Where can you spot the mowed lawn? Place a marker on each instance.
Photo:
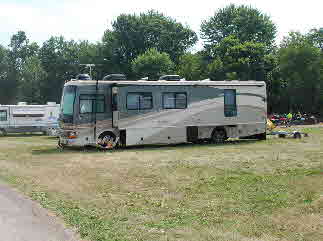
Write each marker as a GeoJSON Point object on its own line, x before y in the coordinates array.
{"type": "Point", "coordinates": [242, 190]}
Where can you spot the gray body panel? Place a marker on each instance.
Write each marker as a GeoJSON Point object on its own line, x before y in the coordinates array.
{"type": "Point", "coordinates": [205, 110]}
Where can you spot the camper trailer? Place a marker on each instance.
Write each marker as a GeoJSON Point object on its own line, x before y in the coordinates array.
{"type": "Point", "coordinates": [23, 118]}
{"type": "Point", "coordinates": [124, 113]}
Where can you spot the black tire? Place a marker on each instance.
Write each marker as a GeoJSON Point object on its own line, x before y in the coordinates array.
{"type": "Point", "coordinates": [281, 135]}
{"type": "Point", "coordinates": [60, 145]}
{"type": "Point", "coordinates": [198, 142]}
{"type": "Point", "coordinates": [219, 136]}
{"type": "Point", "coordinates": [107, 142]}
{"type": "Point", "coordinates": [261, 136]}
{"type": "Point", "coordinates": [297, 135]}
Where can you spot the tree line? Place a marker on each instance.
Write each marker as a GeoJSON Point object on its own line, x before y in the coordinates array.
{"type": "Point", "coordinates": [238, 44]}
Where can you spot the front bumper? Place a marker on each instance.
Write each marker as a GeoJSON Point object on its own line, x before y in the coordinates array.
{"type": "Point", "coordinates": [74, 138]}
{"type": "Point", "coordinates": [67, 142]}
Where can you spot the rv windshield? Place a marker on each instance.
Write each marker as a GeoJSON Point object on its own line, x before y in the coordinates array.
{"type": "Point", "coordinates": [67, 106]}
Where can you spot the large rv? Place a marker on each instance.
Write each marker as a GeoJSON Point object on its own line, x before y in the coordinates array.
{"type": "Point", "coordinates": [112, 113]}
{"type": "Point", "coordinates": [29, 118]}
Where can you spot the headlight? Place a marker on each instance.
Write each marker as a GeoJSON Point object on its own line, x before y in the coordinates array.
{"type": "Point", "coordinates": [72, 135]}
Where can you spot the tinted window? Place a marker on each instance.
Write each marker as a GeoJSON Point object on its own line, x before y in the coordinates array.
{"type": "Point", "coordinates": [174, 100]}
{"type": "Point", "coordinates": [3, 115]}
{"type": "Point", "coordinates": [139, 101]}
{"type": "Point", "coordinates": [28, 115]}
{"type": "Point", "coordinates": [91, 104]}
{"type": "Point", "coordinates": [230, 103]}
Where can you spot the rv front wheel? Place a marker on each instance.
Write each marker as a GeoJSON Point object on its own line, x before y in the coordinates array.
{"type": "Point", "coordinates": [107, 141]}
{"type": "Point", "coordinates": [219, 136]}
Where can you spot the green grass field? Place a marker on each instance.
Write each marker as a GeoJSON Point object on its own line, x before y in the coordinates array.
{"type": "Point", "coordinates": [242, 190]}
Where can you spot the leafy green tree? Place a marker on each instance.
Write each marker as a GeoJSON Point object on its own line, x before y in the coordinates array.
{"type": "Point", "coordinates": [216, 69]}
{"type": "Point", "coordinates": [152, 64]}
{"type": "Point", "coordinates": [30, 85]}
{"type": "Point", "coordinates": [275, 85]}
{"type": "Point", "coordinates": [113, 58]}
{"type": "Point", "coordinates": [19, 50]}
{"type": "Point", "coordinates": [191, 67]}
{"type": "Point", "coordinates": [4, 68]}
{"type": "Point", "coordinates": [132, 35]}
{"type": "Point", "coordinates": [60, 60]}
{"type": "Point", "coordinates": [301, 67]}
{"type": "Point", "coordinates": [52, 56]}
{"type": "Point", "coordinates": [316, 36]}
{"type": "Point", "coordinates": [231, 76]}
{"type": "Point", "coordinates": [245, 59]}
{"type": "Point", "coordinates": [89, 53]}
{"type": "Point", "coordinates": [245, 23]}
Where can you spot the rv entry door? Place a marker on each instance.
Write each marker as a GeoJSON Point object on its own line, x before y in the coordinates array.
{"type": "Point", "coordinates": [114, 107]}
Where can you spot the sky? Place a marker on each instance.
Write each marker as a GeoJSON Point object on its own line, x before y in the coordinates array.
{"type": "Point", "coordinates": [88, 19]}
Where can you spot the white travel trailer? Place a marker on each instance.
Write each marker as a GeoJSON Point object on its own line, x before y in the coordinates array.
{"type": "Point", "coordinates": [29, 118]}
{"type": "Point", "coordinates": [111, 113]}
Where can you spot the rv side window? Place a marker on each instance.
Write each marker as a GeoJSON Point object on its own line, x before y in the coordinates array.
{"type": "Point", "coordinates": [230, 103]}
{"type": "Point", "coordinates": [174, 100]}
{"type": "Point", "coordinates": [28, 115]}
{"type": "Point", "coordinates": [139, 101]}
{"type": "Point", "coordinates": [3, 115]}
{"type": "Point", "coordinates": [87, 104]}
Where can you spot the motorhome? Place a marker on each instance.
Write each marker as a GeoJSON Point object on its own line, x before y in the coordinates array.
{"type": "Point", "coordinates": [123, 113]}
{"type": "Point", "coordinates": [23, 118]}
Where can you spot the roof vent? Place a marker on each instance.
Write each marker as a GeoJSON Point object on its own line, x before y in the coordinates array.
{"type": "Point", "coordinates": [22, 103]}
{"type": "Point", "coordinates": [169, 77]}
{"type": "Point", "coordinates": [114, 77]}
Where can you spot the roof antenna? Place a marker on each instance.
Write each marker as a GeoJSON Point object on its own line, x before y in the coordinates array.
{"type": "Point", "coordinates": [89, 66]}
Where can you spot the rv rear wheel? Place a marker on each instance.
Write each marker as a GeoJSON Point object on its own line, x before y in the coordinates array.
{"type": "Point", "coordinates": [107, 141]}
{"type": "Point", "coordinates": [297, 135]}
{"type": "Point", "coordinates": [261, 136]}
{"type": "Point", "coordinates": [219, 136]}
{"type": "Point", "coordinates": [3, 132]}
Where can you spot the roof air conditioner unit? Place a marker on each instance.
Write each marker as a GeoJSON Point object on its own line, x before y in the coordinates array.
{"type": "Point", "coordinates": [114, 77]}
